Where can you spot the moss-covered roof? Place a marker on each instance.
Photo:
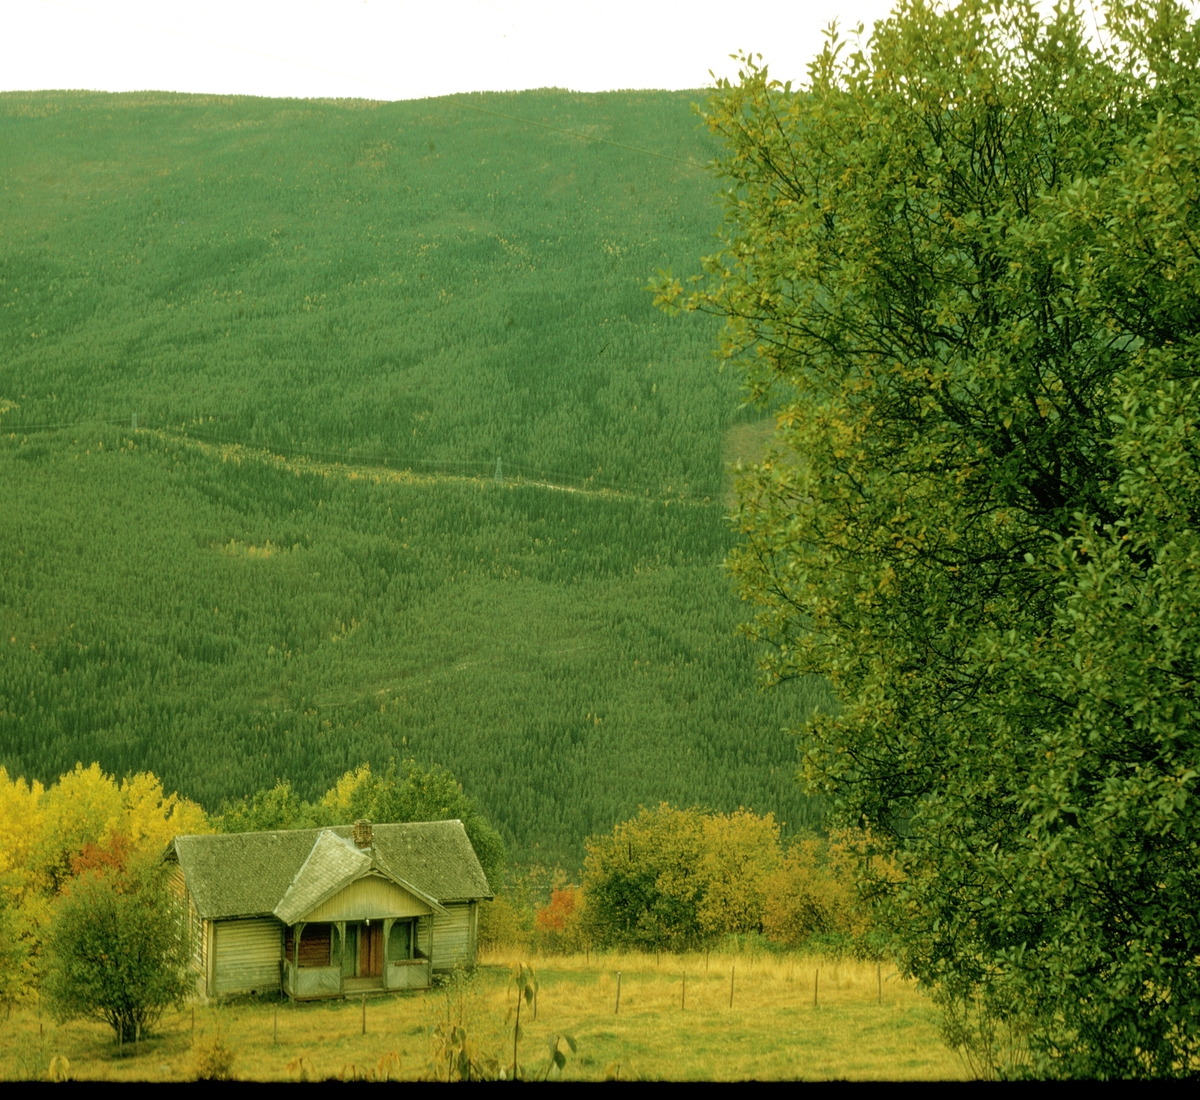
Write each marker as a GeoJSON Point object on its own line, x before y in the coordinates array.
{"type": "Point", "coordinates": [248, 874]}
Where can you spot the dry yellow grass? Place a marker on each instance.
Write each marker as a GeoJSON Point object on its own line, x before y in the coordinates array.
{"type": "Point", "coordinates": [772, 1032]}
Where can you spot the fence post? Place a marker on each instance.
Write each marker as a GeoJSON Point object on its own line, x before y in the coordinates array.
{"type": "Point", "coordinates": [732, 970]}
{"type": "Point", "coordinates": [618, 1006]}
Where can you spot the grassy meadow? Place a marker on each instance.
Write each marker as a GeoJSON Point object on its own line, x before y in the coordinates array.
{"type": "Point", "coordinates": [772, 1032]}
{"type": "Point", "coordinates": [330, 320]}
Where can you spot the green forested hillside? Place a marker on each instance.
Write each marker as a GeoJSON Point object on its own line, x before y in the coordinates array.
{"type": "Point", "coordinates": [378, 287]}
{"type": "Point", "coordinates": [416, 278]}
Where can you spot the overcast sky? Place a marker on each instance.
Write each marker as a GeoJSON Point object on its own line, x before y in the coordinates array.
{"type": "Point", "coordinates": [398, 49]}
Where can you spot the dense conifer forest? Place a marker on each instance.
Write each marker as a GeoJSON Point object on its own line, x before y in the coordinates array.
{"type": "Point", "coordinates": [416, 471]}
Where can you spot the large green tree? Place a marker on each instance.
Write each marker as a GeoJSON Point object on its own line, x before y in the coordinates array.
{"type": "Point", "coordinates": [961, 263]}
{"type": "Point", "coordinates": [120, 949]}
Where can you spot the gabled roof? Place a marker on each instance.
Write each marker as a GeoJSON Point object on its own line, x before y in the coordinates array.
{"type": "Point", "coordinates": [332, 865]}
{"type": "Point", "coordinates": [249, 874]}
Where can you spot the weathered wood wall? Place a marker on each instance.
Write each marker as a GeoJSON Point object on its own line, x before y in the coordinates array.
{"type": "Point", "coordinates": [453, 943]}
{"type": "Point", "coordinates": [369, 898]}
{"type": "Point", "coordinates": [246, 955]}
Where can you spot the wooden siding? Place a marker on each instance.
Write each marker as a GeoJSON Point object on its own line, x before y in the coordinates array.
{"type": "Point", "coordinates": [369, 898]}
{"type": "Point", "coordinates": [246, 956]}
{"type": "Point", "coordinates": [195, 926]}
{"type": "Point", "coordinates": [452, 938]}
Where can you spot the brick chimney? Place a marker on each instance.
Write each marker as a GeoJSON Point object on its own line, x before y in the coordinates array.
{"type": "Point", "coordinates": [362, 833]}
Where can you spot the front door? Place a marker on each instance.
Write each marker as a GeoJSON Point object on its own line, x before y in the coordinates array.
{"type": "Point", "coordinates": [370, 950]}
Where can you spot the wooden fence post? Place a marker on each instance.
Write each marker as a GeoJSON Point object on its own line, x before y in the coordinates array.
{"type": "Point", "coordinates": [732, 969]}
{"type": "Point", "coordinates": [617, 1009]}
{"type": "Point", "coordinates": [816, 982]}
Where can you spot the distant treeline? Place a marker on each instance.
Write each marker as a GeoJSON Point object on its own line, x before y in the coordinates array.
{"type": "Point", "coordinates": [676, 880]}
{"type": "Point", "coordinates": [665, 879]}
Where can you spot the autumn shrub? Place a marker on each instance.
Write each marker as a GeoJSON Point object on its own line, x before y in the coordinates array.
{"type": "Point", "coordinates": [678, 879]}
{"type": "Point", "coordinates": [502, 925]}
{"type": "Point", "coordinates": [741, 853]}
{"type": "Point", "coordinates": [644, 882]}
{"type": "Point", "coordinates": [560, 923]}
{"type": "Point", "coordinates": [812, 898]}
{"type": "Point", "coordinates": [86, 822]}
{"type": "Point", "coordinates": [213, 1060]}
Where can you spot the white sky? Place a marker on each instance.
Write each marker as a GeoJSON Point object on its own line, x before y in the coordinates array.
{"type": "Point", "coordinates": [400, 49]}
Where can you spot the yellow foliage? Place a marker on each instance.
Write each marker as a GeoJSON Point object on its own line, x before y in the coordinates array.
{"type": "Point", "coordinates": [741, 853]}
{"type": "Point", "coordinates": [340, 799]}
{"type": "Point", "coordinates": [83, 807]}
{"type": "Point", "coordinates": [21, 824]}
{"type": "Point", "coordinates": [43, 831]}
{"type": "Point", "coordinates": [213, 1060]}
{"type": "Point", "coordinates": [152, 818]}
{"type": "Point", "coordinates": [813, 893]}
{"type": "Point", "coordinates": [86, 806]}
{"type": "Point", "coordinates": [500, 926]}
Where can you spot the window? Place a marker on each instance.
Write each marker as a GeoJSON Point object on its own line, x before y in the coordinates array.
{"type": "Point", "coordinates": [401, 941]}
{"type": "Point", "coordinates": [315, 945]}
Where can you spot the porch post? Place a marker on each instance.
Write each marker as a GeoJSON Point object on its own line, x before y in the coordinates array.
{"type": "Point", "coordinates": [387, 947]}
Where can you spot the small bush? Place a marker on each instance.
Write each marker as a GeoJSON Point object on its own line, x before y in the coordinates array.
{"type": "Point", "coordinates": [213, 1061]}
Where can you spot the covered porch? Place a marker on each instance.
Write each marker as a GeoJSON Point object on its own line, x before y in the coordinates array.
{"type": "Point", "coordinates": [340, 958]}
{"type": "Point", "coordinates": [352, 927]}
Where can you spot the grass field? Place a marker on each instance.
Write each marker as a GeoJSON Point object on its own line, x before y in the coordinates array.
{"type": "Point", "coordinates": [772, 1032]}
